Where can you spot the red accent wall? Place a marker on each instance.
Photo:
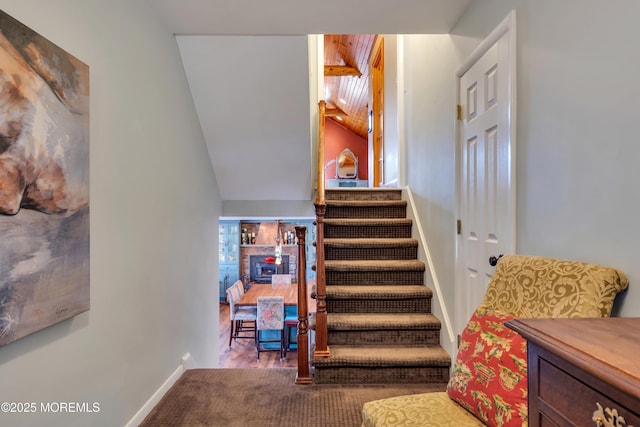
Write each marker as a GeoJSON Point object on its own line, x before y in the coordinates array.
{"type": "Point", "coordinates": [336, 139]}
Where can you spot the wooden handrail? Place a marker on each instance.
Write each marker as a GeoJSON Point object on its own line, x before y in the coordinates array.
{"type": "Point", "coordinates": [303, 376]}
{"type": "Point", "coordinates": [322, 109]}
{"type": "Point", "coordinates": [321, 347]}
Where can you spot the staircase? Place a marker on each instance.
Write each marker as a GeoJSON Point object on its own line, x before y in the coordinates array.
{"type": "Point", "coordinates": [380, 326]}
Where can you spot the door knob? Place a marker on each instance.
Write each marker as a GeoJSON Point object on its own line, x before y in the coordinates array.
{"type": "Point", "coordinates": [493, 260]}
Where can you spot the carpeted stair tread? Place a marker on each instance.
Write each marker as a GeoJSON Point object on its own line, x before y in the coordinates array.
{"type": "Point", "coordinates": [378, 292]}
{"type": "Point", "coordinates": [384, 356]}
{"type": "Point", "coordinates": [371, 243]}
{"type": "Point", "coordinates": [332, 194]}
{"type": "Point", "coordinates": [365, 227]}
{"type": "Point", "coordinates": [366, 209]}
{"type": "Point", "coordinates": [365, 203]}
{"type": "Point", "coordinates": [369, 222]}
{"type": "Point", "coordinates": [372, 248]}
{"type": "Point", "coordinates": [381, 321]}
{"type": "Point", "coordinates": [374, 265]}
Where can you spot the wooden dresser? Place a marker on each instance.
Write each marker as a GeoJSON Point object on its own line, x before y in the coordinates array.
{"type": "Point", "coordinates": [574, 365]}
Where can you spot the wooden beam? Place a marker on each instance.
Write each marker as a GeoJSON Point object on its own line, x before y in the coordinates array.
{"type": "Point", "coordinates": [341, 70]}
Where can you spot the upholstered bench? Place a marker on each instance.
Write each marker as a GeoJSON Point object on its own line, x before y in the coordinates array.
{"type": "Point", "coordinates": [488, 381]}
{"type": "Point", "coordinates": [426, 409]}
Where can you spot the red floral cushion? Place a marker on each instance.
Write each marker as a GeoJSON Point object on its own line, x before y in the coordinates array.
{"type": "Point", "coordinates": [490, 374]}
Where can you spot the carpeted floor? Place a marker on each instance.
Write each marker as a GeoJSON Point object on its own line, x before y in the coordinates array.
{"type": "Point", "coordinates": [266, 397]}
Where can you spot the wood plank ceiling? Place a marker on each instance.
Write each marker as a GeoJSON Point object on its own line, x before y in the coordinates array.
{"type": "Point", "coordinates": [346, 81]}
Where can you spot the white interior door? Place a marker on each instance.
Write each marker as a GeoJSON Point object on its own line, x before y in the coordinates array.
{"type": "Point", "coordinates": [486, 183]}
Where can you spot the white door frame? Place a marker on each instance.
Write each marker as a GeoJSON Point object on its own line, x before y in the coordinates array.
{"type": "Point", "coordinates": [506, 27]}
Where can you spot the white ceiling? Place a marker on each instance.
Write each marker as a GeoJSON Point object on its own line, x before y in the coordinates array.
{"type": "Point", "coordinates": [303, 17]}
{"type": "Point", "coordinates": [258, 140]}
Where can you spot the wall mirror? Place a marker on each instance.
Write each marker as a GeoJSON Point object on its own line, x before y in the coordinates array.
{"type": "Point", "coordinates": [347, 165]}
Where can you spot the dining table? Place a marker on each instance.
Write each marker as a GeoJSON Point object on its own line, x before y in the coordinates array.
{"type": "Point", "coordinates": [290, 294]}
{"type": "Point", "coordinates": [255, 290]}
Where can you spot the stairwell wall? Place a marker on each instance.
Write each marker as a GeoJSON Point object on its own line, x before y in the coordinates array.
{"type": "Point", "coordinates": [577, 152]}
{"type": "Point", "coordinates": [154, 210]}
{"type": "Point", "coordinates": [429, 70]}
{"type": "Point", "coordinates": [576, 169]}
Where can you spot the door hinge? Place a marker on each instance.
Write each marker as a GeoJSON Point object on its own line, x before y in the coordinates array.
{"type": "Point", "coordinates": [459, 112]}
{"type": "Point", "coordinates": [459, 226]}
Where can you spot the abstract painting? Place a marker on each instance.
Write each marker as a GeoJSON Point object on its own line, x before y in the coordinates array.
{"type": "Point", "coordinates": [44, 182]}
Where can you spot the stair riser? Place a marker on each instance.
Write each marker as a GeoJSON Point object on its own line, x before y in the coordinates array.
{"type": "Point", "coordinates": [417, 305]}
{"type": "Point", "coordinates": [363, 195]}
{"type": "Point", "coordinates": [337, 231]}
{"type": "Point", "coordinates": [395, 375]}
{"type": "Point", "coordinates": [398, 337]}
{"type": "Point", "coordinates": [374, 278]}
{"type": "Point", "coordinates": [366, 212]}
{"type": "Point", "coordinates": [349, 254]}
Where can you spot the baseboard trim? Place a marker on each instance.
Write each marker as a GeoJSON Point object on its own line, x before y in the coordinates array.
{"type": "Point", "coordinates": [391, 184]}
{"type": "Point", "coordinates": [157, 395]}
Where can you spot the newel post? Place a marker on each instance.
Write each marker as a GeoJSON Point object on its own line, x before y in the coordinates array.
{"type": "Point", "coordinates": [303, 376]}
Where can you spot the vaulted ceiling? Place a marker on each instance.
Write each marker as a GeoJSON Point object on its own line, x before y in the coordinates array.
{"type": "Point", "coordinates": [246, 64]}
{"type": "Point", "coordinates": [346, 81]}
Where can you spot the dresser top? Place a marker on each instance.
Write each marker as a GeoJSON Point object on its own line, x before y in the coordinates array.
{"type": "Point", "coordinates": [608, 348]}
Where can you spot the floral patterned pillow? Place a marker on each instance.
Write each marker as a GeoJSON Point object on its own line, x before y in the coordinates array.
{"type": "Point", "coordinates": [490, 374]}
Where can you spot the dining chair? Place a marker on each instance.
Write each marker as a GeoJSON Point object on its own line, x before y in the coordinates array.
{"type": "Point", "coordinates": [290, 324]}
{"type": "Point", "coordinates": [239, 315]}
{"type": "Point", "coordinates": [281, 279]}
{"type": "Point", "coordinates": [239, 288]}
{"type": "Point", "coordinates": [270, 313]}
{"type": "Point", "coordinates": [240, 285]}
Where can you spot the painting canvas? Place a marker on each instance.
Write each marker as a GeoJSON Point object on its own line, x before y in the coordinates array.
{"type": "Point", "coordinates": [44, 182]}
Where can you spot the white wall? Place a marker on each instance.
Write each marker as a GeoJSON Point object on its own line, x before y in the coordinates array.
{"type": "Point", "coordinates": [577, 150]}
{"type": "Point", "coordinates": [577, 116]}
{"type": "Point", "coordinates": [252, 95]}
{"type": "Point", "coordinates": [429, 71]}
{"type": "Point", "coordinates": [269, 208]}
{"type": "Point", "coordinates": [154, 210]}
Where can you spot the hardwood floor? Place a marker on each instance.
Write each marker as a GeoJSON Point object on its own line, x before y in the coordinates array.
{"type": "Point", "coordinates": [242, 353]}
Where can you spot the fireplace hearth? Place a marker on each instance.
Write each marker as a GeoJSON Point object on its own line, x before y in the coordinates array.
{"type": "Point", "coordinates": [261, 270]}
